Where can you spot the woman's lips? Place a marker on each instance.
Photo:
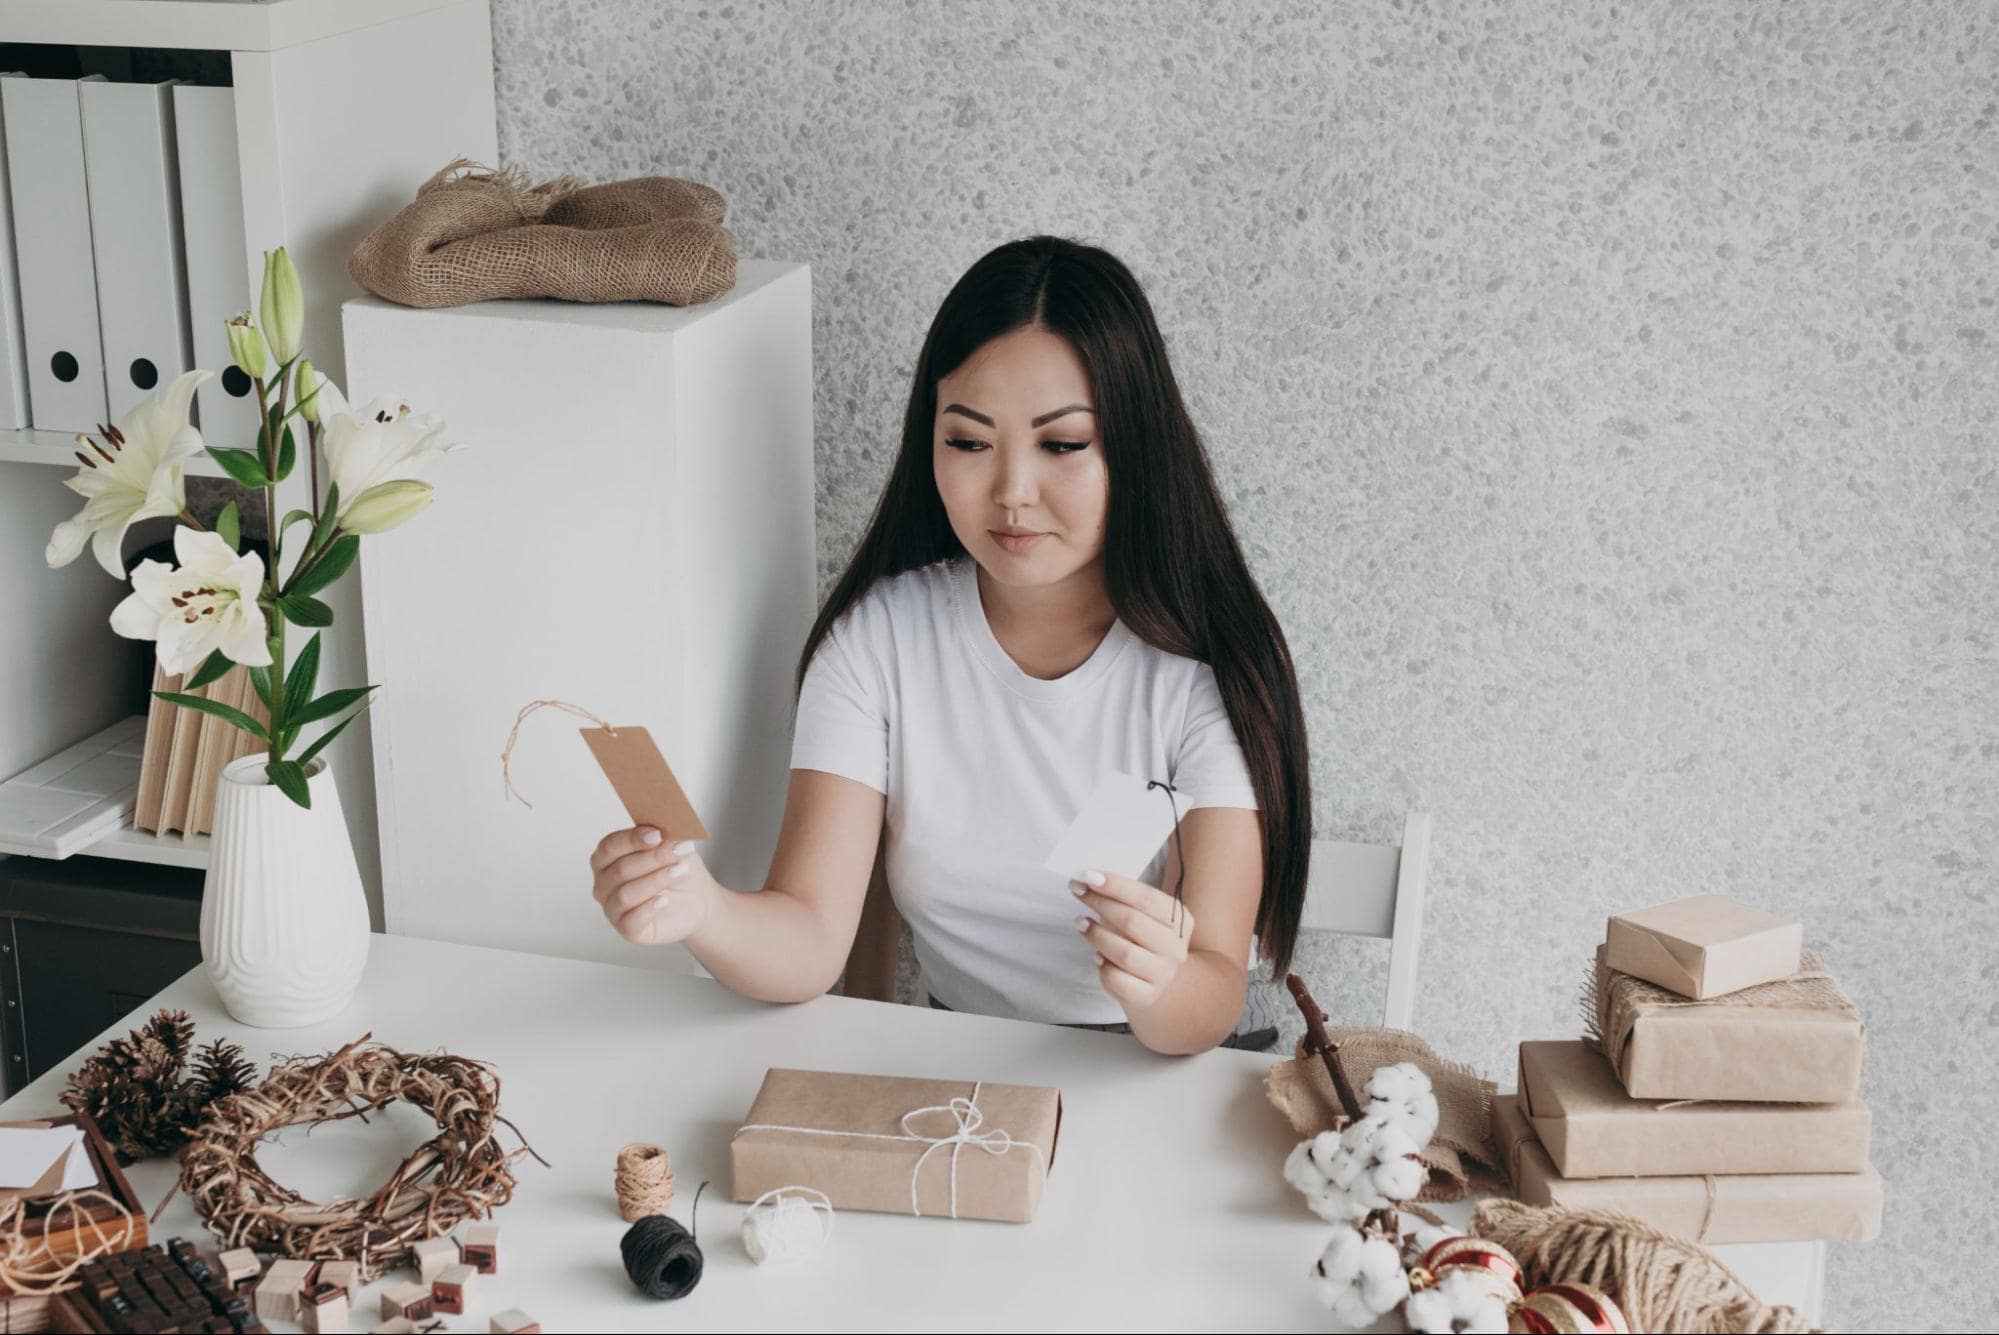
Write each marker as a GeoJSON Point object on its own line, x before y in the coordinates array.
{"type": "Point", "coordinates": [1016, 543]}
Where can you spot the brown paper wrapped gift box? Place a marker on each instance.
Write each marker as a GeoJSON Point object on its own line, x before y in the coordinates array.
{"type": "Point", "coordinates": [959, 1148]}
{"type": "Point", "coordinates": [1759, 1207]}
{"type": "Point", "coordinates": [1591, 1127]}
{"type": "Point", "coordinates": [1795, 1041]}
{"type": "Point", "coordinates": [1705, 946]}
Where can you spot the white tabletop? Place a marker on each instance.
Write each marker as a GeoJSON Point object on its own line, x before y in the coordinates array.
{"type": "Point", "coordinates": [1165, 1205]}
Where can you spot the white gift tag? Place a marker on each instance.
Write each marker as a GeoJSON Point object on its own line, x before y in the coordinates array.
{"type": "Point", "coordinates": [1119, 829]}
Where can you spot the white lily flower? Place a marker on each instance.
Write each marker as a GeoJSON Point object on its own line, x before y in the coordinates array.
{"type": "Point", "coordinates": [381, 443]}
{"type": "Point", "coordinates": [207, 602]}
{"type": "Point", "coordinates": [141, 476]}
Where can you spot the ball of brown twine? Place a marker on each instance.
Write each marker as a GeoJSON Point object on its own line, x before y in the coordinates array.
{"type": "Point", "coordinates": [644, 1181]}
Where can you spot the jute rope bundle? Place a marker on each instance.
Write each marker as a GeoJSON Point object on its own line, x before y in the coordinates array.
{"type": "Point", "coordinates": [1662, 1282]}
{"type": "Point", "coordinates": [31, 1263]}
{"type": "Point", "coordinates": [644, 1181]}
{"type": "Point", "coordinates": [473, 234]}
{"type": "Point", "coordinates": [461, 1173]}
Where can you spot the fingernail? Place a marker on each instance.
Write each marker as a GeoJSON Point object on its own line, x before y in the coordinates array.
{"type": "Point", "coordinates": [649, 837]}
{"type": "Point", "coordinates": [684, 846]}
{"type": "Point", "coordinates": [1078, 888]}
{"type": "Point", "coordinates": [1082, 924]}
{"type": "Point", "coordinates": [679, 870]}
{"type": "Point", "coordinates": [1094, 877]}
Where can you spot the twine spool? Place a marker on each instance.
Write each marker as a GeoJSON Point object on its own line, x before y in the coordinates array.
{"type": "Point", "coordinates": [644, 1181]}
{"type": "Point", "coordinates": [782, 1226]}
{"type": "Point", "coordinates": [662, 1258]}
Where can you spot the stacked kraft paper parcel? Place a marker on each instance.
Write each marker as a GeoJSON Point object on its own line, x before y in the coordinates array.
{"type": "Point", "coordinates": [1716, 1095]}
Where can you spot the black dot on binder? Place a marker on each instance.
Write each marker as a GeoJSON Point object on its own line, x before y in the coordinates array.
{"type": "Point", "coordinates": [144, 374]}
{"type": "Point", "coordinates": [235, 382]}
{"type": "Point", "coordinates": [64, 366]}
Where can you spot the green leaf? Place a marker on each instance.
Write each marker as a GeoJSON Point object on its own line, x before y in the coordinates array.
{"type": "Point", "coordinates": [326, 706]}
{"type": "Point", "coordinates": [241, 465]}
{"type": "Point", "coordinates": [330, 734]}
{"type": "Point", "coordinates": [229, 527]}
{"type": "Point", "coordinates": [294, 517]}
{"type": "Point", "coordinates": [218, 663]}
{"type": "Point", "coordinates": [221, 711]}
{"type": "Point", "coordinates": [287, 454]}
{"type": "Point", "coordinates": [301, 610]}
{"type": "Point", "coordinates": [260, 677]}
{"type": "Point", "coordinates": [324, 529]}
{"type": "Point", "coordinates": [330, 567]}
{"type": "Point", "coordinates": [302, 678]}
{"type": "Point", "coordinates": [289, 776]}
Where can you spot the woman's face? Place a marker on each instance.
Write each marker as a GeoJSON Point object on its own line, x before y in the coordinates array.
{"type": "Point", "coordinates": [1017, 453]}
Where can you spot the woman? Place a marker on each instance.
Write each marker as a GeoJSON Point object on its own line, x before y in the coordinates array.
{"type": "Point", "coordinates": [1049, 589]}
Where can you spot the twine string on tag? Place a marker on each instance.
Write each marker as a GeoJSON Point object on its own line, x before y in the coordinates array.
{"type": "Point", "coordinates": [506, 756]}
{"type": "Point", "coordinates": [1180, 876]}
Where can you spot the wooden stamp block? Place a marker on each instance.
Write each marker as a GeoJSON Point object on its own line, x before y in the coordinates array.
{"type": "Point", "coordinates": [346, 1274]}
{"type": "Point", "coordinates": [408, 1300]}
{"type": "Point", "coordinates": [324, 1309]}
{"type": "Point", "coordinates": [452, 1288]}
{"type": "Point", "coordinates": [479, 1246]}
{"type": "Point", "coordinates": [514, 1321]}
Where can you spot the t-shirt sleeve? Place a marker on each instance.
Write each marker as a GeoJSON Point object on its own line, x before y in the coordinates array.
{"type": "Point", "coordinates": [1211, 771]}
{"type": "Point", "coordinates": [842, 725]}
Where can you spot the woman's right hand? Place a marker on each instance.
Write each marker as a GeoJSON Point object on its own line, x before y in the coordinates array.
{"type": "Point", "coordinates": [653, 892]}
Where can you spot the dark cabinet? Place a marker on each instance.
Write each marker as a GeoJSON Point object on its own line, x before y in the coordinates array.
{"type": "Point", "coordinates": [83, 942]}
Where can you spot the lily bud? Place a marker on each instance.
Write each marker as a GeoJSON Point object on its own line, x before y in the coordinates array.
{"type": "Point", "coordinates": [381, 508]}
{"type": "Point", "coordinates": [306, 383]}
{"type": "Point", "coordinates": [246, 347]}
{"type": "Point", "coordinates": [283, 305]}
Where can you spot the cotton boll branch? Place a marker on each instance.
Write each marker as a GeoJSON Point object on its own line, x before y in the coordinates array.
{"type": "Point", "coordinates": [1317, 1041]}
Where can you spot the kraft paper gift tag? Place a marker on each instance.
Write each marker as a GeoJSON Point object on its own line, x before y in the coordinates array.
{"type": "Point", "coordinates": [1119, 829]}
{"type": "Point", "coordinates": [652, 796]}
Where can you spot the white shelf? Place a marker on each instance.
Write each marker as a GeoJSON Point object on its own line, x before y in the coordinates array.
{"type": "Point", "coordinates": [201, 25]}
{"type": "Point", "coordinates": [60, 447]}
{"type": "Point", "coordinates": [81, 800]}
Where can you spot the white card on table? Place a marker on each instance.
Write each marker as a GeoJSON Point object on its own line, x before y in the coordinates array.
{"type": "Point", "coordinates": [27, 1154]}
{"type": "Point", "coordinates": [1119, 829]}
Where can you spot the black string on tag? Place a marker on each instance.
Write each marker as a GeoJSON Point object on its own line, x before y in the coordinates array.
{"type": "Point", "coordinates": [1180, 877]}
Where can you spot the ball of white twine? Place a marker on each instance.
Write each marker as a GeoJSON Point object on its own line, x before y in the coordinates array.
{"type": "Point", "coordinates": [780, 1226]}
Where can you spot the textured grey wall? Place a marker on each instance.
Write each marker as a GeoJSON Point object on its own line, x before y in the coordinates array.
{"type": "Point", "coordinates": [1606, 396]}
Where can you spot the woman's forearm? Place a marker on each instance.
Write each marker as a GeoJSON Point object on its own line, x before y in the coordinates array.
{"type": "Point", "coordinates": [1198, 1009]}
{"type": "Point", "coordinates": [767, 944]}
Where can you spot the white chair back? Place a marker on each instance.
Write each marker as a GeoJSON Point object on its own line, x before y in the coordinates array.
{"type": "Point", "coordinates": [1376, 890]}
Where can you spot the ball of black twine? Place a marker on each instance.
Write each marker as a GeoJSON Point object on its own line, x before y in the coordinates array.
{"type": "Point", "coordinates": [662, 1257]}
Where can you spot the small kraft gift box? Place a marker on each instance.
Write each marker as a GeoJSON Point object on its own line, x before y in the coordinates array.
{"type": "Point", "coordinates": [965, 1149]}
{"type": "Point", "coordinates": [1591, 1127]}
{"type": "Point", "coordinates": [1705, 946]}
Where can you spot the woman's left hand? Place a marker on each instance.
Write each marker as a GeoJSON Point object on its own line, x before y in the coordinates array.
{"type": "Point", "coordinates": [1141, 934]}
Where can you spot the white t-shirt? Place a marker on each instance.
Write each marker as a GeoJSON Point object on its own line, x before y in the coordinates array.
{"type": "Point", "coordinates": [984, 768]}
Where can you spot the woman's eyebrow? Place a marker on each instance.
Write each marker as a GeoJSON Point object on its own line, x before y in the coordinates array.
{"type": "Point", "coordinates": [1042, 420]}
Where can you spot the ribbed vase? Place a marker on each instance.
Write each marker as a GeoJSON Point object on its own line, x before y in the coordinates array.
{"type": "Point", "coordinates": [284, 920]}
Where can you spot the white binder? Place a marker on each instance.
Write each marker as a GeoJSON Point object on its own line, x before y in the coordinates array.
{"type": "Point", "coordinates": [218, 266]}
{"type": "Point", "coordinates": [130, 164]}
{"type": "Point", "coordinates": [13, 357]}
{"type": "Point", "coordinates": [51, 206]}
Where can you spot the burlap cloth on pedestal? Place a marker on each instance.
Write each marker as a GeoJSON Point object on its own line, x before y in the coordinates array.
{"type": "Point", "coordinates": [487, 234]}
{"type": "Point", "coordinates": [1459, 1153]}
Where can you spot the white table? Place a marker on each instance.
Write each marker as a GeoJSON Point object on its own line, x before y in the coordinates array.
{"type": "Point", "coordinates": [1165, 1206]}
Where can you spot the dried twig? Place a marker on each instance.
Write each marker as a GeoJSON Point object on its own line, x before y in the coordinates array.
{"type": "Point", "coordinates": [1319, 1042]}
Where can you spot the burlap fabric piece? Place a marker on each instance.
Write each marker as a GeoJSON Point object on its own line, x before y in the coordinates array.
{"type": "Point", "coordinates": [474, 235]}
{"type": "Point", "coordinates": [1613, 1002]}
{"type": "Point", "coordinates": [1459, 1154]}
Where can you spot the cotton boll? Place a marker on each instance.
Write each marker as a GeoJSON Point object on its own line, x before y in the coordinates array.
{"type": "Point", "coordinates": [1426, 1236]}
{"type": "Point", "coordinates": [1336, 1206]}
{"type": "Point", "coordinates": [1302, 1171]}
{"type": "Point", "coordinates": [1403, 1094]}
{"type": "Point", "coordinates": [1360, 1277]}
{"type": "Point", "coordinates": [1395, 1173]}
{"type": "Point", "coordinates": [1457, 1302]}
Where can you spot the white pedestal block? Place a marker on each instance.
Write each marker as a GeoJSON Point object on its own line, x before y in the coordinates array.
{"type": "Point", "coordinates": [630, 529]}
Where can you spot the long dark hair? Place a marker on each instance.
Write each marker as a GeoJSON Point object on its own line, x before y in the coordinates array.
{"type": "Point", "coordinates": [1174, 570]}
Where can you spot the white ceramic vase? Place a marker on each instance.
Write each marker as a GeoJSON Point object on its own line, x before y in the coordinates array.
{"type": "Point", "coordinates": [284, 920]}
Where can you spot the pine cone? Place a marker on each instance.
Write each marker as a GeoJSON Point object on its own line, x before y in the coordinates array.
{"type": "Point", "coordinates": [139, 1092]}
{"type": "Point", "coordinates": [221, 1068]}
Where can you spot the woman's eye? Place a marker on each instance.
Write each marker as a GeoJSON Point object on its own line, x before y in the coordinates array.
{"type": "Point", "coordinates": [967, 445]}
{"type": "Point", "coordinates": [1065, 446]}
